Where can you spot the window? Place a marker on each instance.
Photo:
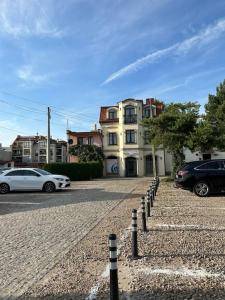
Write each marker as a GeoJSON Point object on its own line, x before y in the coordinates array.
{"type": "Point", "coordinates": [129, 110]}
{"type": "Point", "coordinates": [26, 144]}
{"type": "Point", "coordinates": [146, 137]}
{"type": "Point", "coordinates": [26, 152]}
{"type": "Point", "coordinates": [29, 173]}
{"type": "Point", "coordinates": [43, 144]}
{"type": "Point", "coordinates": [214, 165]}
{"type": "Point", "coordinates": [90, 140]}
{"type": "Point", "coordinates": [42, 151]}
{"type": "Point", "coordinates": [130, 137]}
{"type": "Point", "coordinates": [130, 115]}
{"type": "Point", "coordinates": [112, 138]}
{"type": "Point", "coordinates": [112, 114]}
{"type": "Point", "coordinates": [15, 173]}
{"type": "Point", "coordinates": [80, 140]}
{"type": "Point", "coordinates": [147, 112]}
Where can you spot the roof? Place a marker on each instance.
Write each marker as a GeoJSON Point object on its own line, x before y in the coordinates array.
{"type": "Point", "coordinates": [36, 138]}
{"type": "Point", "coordinates": [84, 133]}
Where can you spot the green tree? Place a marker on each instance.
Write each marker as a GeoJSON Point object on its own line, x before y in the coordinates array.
{"type": "Point", "coordinates": [202, 138]}
{"type": "Point", "coordinates": [87, 153]}
{"type": "Point", "coordinates": [215, 116]}
{"type": "Point", "coordinates": [173, 128]}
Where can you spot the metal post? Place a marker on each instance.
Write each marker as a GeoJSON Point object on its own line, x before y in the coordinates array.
{"type": "Point", "coordinates": [148, 203]}
{"type": "Point", "coordinates": [114, 290]}
{"type": "Point", "coordinates": [134, 246]}
{"type": "Point", "coordinates": [48, 138]}
{"type": "Point", "coordinates": [144, 228]}
{"type": "Point", "coordinates": [151, 197]}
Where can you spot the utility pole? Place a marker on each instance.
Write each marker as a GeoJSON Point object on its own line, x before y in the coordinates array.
{"type": "Point", "coordinates": [48, 137]}
{"type": "Point", "coordinates": [67, 142]}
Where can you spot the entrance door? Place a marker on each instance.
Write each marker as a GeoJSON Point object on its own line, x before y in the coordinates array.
{"type": "Point", "coordinates": [131, 167]}
{"type": "Point", "coordinates": [148, 165]}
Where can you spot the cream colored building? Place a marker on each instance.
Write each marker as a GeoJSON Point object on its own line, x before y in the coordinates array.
{"type": "Point", "coordinates": [125, 142]}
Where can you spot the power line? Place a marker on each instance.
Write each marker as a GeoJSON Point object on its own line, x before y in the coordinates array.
{"type": "Point", "coordinates": [22, 107]}
{"type": "Point", "coordinates": [56, 109]}
{"type": "Point", "coordinates": [33, 119]}
{"type": "Point", "coordinates": [18, 131]}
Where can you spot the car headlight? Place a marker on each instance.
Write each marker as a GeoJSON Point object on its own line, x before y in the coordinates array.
{"type": "Point", "coordinates": [59, 179]}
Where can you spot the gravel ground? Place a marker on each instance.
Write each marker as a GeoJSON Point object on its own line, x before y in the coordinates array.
{"type": "Point", "coordinates": [181, 255]}
{"type": "Point", "coordinates": [56, 246]}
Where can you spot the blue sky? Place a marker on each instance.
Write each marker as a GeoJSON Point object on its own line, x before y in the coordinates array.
{"type": "Point", "coordinates": [78, 55]}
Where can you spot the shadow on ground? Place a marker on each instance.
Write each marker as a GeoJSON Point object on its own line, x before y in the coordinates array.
{"type": "Point", "coordinates": [165, 293]}
{"type": "Point", "coordinates": [21, 202]}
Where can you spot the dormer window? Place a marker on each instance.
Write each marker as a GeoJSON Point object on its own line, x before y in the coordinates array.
{"type": "Point", "coordinates": [112, 114]}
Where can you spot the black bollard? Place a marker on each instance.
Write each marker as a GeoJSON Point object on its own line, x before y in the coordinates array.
{"type": "Point", "coordinates": [144, 228]}
{"type": "Point", "coordinates": [151, 197]}
{"type": "Point", "coordinates": [148, 203]}
{"type": "Point", "coordinates": [114, 290]}
{"type": "Point", "coordinates": [134, 246]}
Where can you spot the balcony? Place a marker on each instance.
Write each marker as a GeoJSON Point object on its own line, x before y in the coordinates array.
{"type": "Point", "coordinates": [130, 119]}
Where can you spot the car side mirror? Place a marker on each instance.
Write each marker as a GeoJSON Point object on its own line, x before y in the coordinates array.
{"type": "Point", "coordinates": [38, 175]}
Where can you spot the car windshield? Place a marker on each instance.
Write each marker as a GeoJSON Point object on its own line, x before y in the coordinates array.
{"type": "Point", "coordinates": [42, 172]}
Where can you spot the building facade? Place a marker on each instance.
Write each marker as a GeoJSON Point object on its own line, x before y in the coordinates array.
{"type": "Point", "coordinates": [5, 157]}
{"type": "Point", "coordinates": [33, 149]}
{"type": "Point", "coordinates": [93, 137]}
{"type": "Point", "coordinates": [126, 143]}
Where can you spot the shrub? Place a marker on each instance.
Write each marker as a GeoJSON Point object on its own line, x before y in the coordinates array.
{"type": "Point", "coordinates": [76, 171]}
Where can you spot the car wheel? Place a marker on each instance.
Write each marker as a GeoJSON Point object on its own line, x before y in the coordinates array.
{"type": "Point", "coordinates": [49, 187]}
{"type": "Point", "coordinates": [4, 188]}
{"type": "Point", "coordinates": [202, 189]}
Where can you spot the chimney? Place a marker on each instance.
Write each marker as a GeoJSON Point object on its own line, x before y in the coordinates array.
{"type": "Point", "coordinates": [95, 127]}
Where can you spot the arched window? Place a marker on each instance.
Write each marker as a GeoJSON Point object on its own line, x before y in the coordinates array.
{"type": "Point", "coordinates": [129, 110]}
{"type": "Point", "coordinates": [130, 114]}
{"type": "Point", "coordinates": [112, 114]}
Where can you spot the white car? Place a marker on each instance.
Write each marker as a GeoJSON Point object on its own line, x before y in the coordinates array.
{"type": "Point", "coordinates": [25, 179]}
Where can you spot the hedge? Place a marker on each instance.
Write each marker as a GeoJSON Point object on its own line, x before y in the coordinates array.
{"type": "Point", "coordinates": [76, 171]}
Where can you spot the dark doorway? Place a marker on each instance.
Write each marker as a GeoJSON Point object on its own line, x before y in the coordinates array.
{"type": "Point", "coordinates": [148, 165]}
{"type": "Point", "coordinates": [131, 167]}
{"type": "Point", "coordinates": [206, 156]}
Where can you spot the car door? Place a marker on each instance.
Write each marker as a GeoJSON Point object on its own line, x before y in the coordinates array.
{"type": "Point", "coordinates": [212, 172]}
{"type": "Point", "coordinates": [222, 170]}
{"type": "Point", "coordinates": [16, 179]}
{"type": "Point", "coordinates": [34, 181]}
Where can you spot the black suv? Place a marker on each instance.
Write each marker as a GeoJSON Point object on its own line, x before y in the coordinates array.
{"type": "Point", "coordinates": [202, 177]}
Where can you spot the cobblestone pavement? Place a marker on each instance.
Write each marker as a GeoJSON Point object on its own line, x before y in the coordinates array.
{"type": "Point", "coordinates": [37, 229]}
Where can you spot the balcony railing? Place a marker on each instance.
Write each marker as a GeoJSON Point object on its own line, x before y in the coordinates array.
{"type": "Point", "coordinates": [130, 119]}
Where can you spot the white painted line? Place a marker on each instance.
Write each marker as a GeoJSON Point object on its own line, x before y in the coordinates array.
{"type": "Point", "coordinates": [19, 203]}
{"type": "Point", "coordinates": [193, 226]}
{"type": "Point", "coordinates": [196, 273]}
{"type": "Point", "coordinates": [94, 290]}
{"type": "Point", "coordinates": [35, 194]}
{"type": "Point", "coordinates": [191, 207]}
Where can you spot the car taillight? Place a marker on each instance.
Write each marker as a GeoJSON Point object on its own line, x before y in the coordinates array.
{"type": "Point", "coordinates": [182, 173]}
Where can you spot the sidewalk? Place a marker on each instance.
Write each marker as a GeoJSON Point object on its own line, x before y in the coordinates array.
{"type": "Point", "coordinates": [182, 254]}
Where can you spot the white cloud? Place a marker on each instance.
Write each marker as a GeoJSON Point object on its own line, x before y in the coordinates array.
{"type": "Point", "coordinates": [26, 73]}
{"type": "Point", "coordinates": [211, 33]}
{"type": "Point", "coordinates": [21, 18]}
